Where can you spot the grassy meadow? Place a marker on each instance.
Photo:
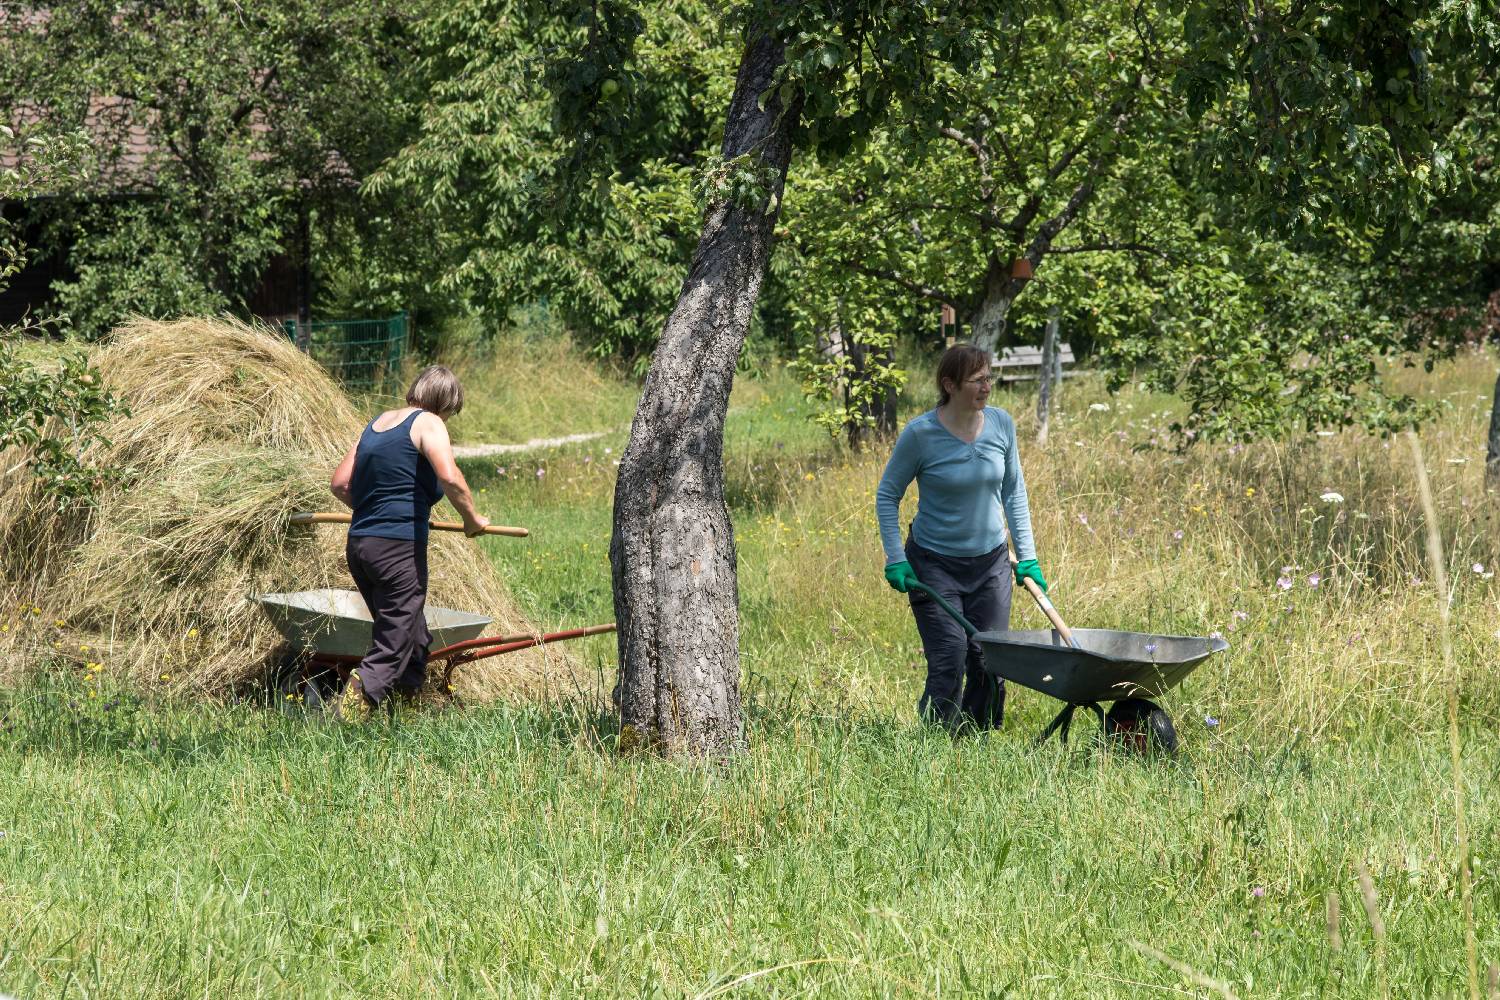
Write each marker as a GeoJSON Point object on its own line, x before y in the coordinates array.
{"type": "Point", "coordinates": [153, 848]}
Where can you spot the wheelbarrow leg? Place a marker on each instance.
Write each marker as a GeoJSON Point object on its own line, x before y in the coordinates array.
{"type": "Point", "coordinates": [1064, 721]}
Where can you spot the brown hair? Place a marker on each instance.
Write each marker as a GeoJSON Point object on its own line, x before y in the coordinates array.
{"type": "Point", "coordinates": [957, 364]}
{"type": "Point", "coordinates": [436, 390]}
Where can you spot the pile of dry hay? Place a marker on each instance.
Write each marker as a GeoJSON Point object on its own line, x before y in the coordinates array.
{"type": "Point", "coordinates": [229, 430]}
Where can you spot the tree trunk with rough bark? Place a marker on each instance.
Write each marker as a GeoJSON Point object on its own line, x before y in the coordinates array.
{"type": "Point", "coordinates": [1492, 447]}
{"type": "Point", "coordinates": [1048, 378]}
{"type": "Point", "coordinates": [672, 552]}
{"type": "Point", "coordinates": [1000, 290]}
{"type": "Point", "coordinates": [872, 408]}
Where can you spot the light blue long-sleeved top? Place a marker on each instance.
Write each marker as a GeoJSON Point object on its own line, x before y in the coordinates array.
{"type": "Point", "coordinates": [961, 489]}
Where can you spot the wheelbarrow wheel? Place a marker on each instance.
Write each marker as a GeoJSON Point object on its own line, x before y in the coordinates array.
{"type": "Point", "coordinates": [1140, 726]}
{"type": "Point", "coordinates": [299, 688]}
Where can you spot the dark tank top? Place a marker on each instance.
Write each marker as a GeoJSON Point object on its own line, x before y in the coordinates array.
{"type": "Point", "coordinates": [394, 485]}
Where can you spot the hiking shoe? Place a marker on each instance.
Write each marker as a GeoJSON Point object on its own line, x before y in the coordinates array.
{"type": "Point", "coordinates": [352, 705]}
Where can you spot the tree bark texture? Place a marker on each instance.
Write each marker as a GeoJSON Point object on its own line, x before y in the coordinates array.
{"type": "Point", "coordinates": [870, 414]}
{"type": "Point", "coordinates": [1000, 290]}
{"type": "Point", "coordinates": [1049, 376]}
{"type": "Point", "coordinates": [672, 552]}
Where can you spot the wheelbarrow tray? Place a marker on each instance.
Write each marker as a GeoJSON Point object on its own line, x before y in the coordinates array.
{"type": "Point", "coordinates": [1110, 665]}
{"type": "Point", "coordinates": [337, 623]}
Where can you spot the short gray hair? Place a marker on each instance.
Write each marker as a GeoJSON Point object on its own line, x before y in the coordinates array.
{"type": "Point", "coordinates": [436, 390]}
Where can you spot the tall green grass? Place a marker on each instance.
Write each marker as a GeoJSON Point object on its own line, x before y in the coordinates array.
{"type": "Point", "coordinates": [175, 851]}
{"type": "Point", "coordinates": [165, 849]}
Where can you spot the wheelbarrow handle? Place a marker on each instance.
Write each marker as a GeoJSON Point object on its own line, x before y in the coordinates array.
{"type": "Point", "coordinates": [325, 517]}
{"type": "Point", "coordinates": [1040, 596]}
{"type": "Point", "coordinates": [1031, 587]}
{"type": "Point", "coordinates": [952, 611]}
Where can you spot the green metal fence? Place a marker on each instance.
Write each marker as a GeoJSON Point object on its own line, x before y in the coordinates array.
{"type": "Point", "coordinates": [364, 354]}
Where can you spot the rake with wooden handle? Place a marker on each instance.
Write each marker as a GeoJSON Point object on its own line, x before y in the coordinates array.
{"type": "Point", "coordinates": [331, 517]}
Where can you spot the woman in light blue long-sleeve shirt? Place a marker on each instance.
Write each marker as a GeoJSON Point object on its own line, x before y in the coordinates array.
{"type": "Point", "coordinates": [971, 500]}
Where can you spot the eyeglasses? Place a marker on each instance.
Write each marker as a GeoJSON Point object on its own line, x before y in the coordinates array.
{"type": "Point", "coordinates": [983, 380]}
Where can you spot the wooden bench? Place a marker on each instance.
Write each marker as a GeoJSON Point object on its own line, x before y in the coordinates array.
{"type": "Point", "coordinates": [1022, 364]}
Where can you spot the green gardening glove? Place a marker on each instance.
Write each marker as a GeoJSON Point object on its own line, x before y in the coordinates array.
{"type": "Point", "coordinates": [1027, 569]}
{"type": "Point", "coordinates": [900, 576]}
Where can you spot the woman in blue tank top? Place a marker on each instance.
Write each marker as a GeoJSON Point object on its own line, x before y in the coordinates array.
{"type": "Point", "coordinates": [964, 459]}
{"type": "Point", "coordinates": [401, 465]}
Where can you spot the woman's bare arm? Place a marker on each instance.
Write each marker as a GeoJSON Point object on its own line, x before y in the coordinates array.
{"type": "Point", "coordinates": [343, 476]}
{"type": "Point", "coordinates": [431, 439]}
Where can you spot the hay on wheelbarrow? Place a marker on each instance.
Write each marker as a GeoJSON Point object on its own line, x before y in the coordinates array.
{"type": "Point", "coordinates": [229, 430]}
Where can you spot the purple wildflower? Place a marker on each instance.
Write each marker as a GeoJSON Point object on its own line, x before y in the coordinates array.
{"type": "Point", "coordinates": [1258, 891]}
{"type": "Point", "coordinates": [1177, 535]}
{"type": "Point", "coordinates": [540, 473]}
{"type": "Point", "coordinates": [1314, 579]}
{"type": "Point", "coordinates": [1240, 616]}
{"type": "Point", "coordinates": [1210, 722]}
{"type": "Point", "coordinates": [1284, 582]}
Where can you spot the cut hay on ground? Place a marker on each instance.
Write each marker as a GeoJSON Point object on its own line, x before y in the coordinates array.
{"type": "Point", "coordinates": [230, 429]}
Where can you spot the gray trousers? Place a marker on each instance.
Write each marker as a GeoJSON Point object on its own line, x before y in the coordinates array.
{"type": "Point", "coordinates": [391, 575]}
{"type": "Point", "coordinates": [958, 689]}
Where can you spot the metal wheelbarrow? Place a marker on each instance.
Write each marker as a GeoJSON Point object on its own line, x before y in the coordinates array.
{"type": "Point", "coordinates": [329, 630]}
{"type": "Point", "coordinates": [1085, 667]}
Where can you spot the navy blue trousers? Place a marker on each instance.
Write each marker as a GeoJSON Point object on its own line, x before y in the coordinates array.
{"type": "Point", "coordinates": [958, 690]}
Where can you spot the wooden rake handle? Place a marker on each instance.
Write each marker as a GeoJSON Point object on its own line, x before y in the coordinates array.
{"type": "Point", "coordinates": [329, 517]}
{"type": "Point", "coordinates": [1038, 595]}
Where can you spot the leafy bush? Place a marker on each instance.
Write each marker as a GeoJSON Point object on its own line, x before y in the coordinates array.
{"type": "Point", "coordinates": [55, 415]}
{"type": "Point", "coordinates": [131, 259]}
